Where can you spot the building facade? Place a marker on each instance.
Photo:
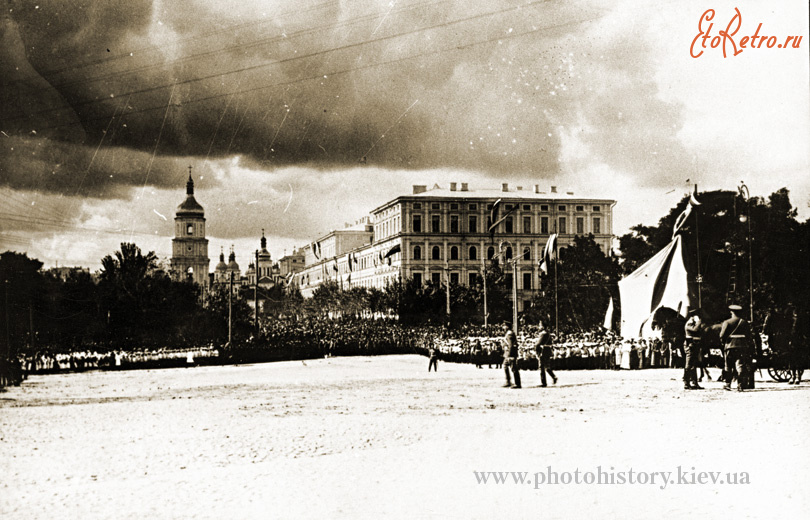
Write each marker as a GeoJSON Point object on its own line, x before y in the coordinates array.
{"type": "Point", "coordinates": [440, 234]}
{"type": "Point", "coordinates": [189, 245]}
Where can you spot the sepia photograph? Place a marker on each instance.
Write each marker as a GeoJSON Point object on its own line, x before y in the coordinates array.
{"type": "Point", "coordinates": [404, 259]}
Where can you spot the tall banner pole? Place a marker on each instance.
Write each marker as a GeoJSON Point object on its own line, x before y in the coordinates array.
{"type": "Point", "coordinates": [256, 294]}
{"type": "Point", "coordinates": [556, 303]}
{"type": "Point", "coordinates": [484, 275]}
{"type": "Point", "coordinates": [230, 309]}
{"type": "Point", "coordinates": [514, 296]}
{"type": "Point", "coordinates": [697, 242]}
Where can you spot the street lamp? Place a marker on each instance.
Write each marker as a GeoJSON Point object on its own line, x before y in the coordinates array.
{"type": "Point", "coordinates": [746, 195]}
{"type": "Point", "coordinates": [513, 261]}
{"type": "Point", "coordinates": [447, 288]}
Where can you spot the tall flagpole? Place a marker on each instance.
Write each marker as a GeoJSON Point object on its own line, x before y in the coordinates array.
{"type": "Point", "coordinates": [484, 274]}
{"type": "Point", "coordinates": [256, 292]}
{"type": "Point", "coordinates": [697, 241]}
{"type": "Point", "coordinates": [556, 304]}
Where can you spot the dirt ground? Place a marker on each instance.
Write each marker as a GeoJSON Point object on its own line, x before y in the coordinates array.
{"type": "Point", "coordinates": [381, 437]}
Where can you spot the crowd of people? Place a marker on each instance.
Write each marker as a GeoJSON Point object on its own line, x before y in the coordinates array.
{"type": "Point", "coordinates": [575, 351]}
{"type": "Point", "coordinates": [316, 337]}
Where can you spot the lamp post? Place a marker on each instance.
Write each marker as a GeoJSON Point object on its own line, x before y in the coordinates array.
{"type": "Point", "coordinates": [513, 261]}
{"type": "Point", "coordinates": [256, 292]}
{"type": "Point", "coordinates": [230, 309]}
{"type": "Point", "coordinates": [746, 195]}
{"type": "Point", "coordinates": [447, 288]}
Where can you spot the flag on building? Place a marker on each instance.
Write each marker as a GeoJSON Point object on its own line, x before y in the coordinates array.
{"type": "Point", "coordinates": [394, 250]}
{"type": "Point", "coordinates": [549, 253]}
{"type": "Point", "coordinates": [494, 220]}
{"type": "Point", "coordinates": [493, 216]}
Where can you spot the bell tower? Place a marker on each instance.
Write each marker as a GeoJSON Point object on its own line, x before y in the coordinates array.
{"type": "Point", "coordinates": [189, 245]}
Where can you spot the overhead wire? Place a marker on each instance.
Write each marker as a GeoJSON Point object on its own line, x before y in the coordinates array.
{"type": "Point", "coordinates": [129, 53]}
{"type": "Point", "coordinates": [282, 61]}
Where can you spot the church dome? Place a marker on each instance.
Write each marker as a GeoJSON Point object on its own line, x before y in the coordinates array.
{"type": "Point", "coordinates": [190, 207]}
{"type": "Point", "coordinates": [221, 266]}
{"type": "Point", "coordinates": [232, 265]}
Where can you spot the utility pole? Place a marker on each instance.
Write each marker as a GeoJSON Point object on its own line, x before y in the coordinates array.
{"type": "Point", "coordinates": [230, 309]}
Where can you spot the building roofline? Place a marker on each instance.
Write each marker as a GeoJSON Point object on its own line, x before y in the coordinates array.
{"type": "Point", "coordinates": [506, 196]}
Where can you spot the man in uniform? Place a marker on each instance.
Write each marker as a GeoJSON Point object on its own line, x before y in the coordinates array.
{"type": "Point", "coordinates": [510, 355]}
{"type": "Point", "coordinates": [476, 353]}
{"type": "Point", "coordinates": [795, 348]}
{"type": "Point", "coordinates": [433, 355]}
{"type": "Point", "coordinates": [543, 351]}
{"type": "Point", "coordinates": [735, 334]}
{"type": "Point", "coordinates": [693, 329]}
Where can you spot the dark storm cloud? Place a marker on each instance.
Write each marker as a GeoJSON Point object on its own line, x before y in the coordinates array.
{"type": "Point", "coordinates": [329, 84]}
{"type": "Point", "coordinates": [48, 166]}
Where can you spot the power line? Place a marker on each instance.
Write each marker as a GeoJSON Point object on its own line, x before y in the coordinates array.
{"type": "Point", "coordinates": [45, 222]}
{"type": "Point", "coordinates": [128, 54]}
{"type": "Point", "coordinates": [224, 50]}
{"type": "Point", "coordinates": [320, 75]}
{"type": "Point", "coordinates": [301, 57]}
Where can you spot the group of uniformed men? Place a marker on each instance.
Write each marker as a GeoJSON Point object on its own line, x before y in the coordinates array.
{"type": "Point", "coordinates": [738, 352]}
{"type": "Point", "coordinates": [543, 352]}
{"type": "Point", "coordinates": [735, 335]}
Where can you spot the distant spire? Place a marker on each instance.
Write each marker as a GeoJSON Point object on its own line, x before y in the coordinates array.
{"type": "Point", "coordinates": [190, 183]}
{"type": "Point", "coordinates": [221, 254]}
{"type": "Point", "coordinates": [232, 256]}
{"type": "Point", "coordinates": [264, 240]}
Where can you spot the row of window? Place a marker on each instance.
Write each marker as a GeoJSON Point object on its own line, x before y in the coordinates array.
{"type": "Point", "coordinates": [508, 223]}
{"type": "Point", "coordinates": [454, 206]}
{"type": "Point", "coordinates": [472, 253]}
{"type": "Point", "coordinates": [436, 278]}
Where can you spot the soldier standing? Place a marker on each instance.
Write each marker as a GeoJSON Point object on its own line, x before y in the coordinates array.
{"type": "Point", "coordinates": [510, 355]}
{"type": "Point", "coordinates": [735, 334]}
{"type": "Point", "coordinates": [543, 351]}
{"type": "Point", "coordinates": [692, 345]}
{"type": "Point", "coordinates": [796, 360]}
{"type": "Point", "coordinates": [476, 352]}
{"type": "Point", "coordinates": [433, 355]}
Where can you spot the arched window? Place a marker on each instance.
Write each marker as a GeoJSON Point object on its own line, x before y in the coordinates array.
{"type": "Point", "coordinates": [436, 253]}
{"type": "Point", "coordinates": [527, 253]}
{"type": "Point", "coordinates": [454, 253]}
{"type": "Point", "coordinates": [490, 253]}
{"type": "Point", "coordinates": [473, 253]}
{"type": "Point", "coordinates": [508, 254]}
{"type": "Point", "coordinates": [417, 253]}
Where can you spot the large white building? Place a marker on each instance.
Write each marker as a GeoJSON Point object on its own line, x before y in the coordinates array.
{"type": "Point", "coordinates": [439, 233]}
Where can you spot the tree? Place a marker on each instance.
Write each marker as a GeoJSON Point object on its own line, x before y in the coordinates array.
{"type": "Point", "coordinates": [24, 291]}
{"type": "Point", "coordinates": [586, 279]}
{"type": "Point", "coordinates": [778, 246]}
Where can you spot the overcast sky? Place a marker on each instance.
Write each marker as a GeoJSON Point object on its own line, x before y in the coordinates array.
{"type": "Point", "coordinates": [300, 116]}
